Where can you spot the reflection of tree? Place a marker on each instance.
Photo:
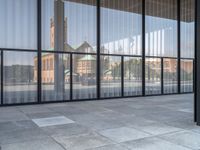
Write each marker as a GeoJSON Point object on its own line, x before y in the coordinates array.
{"type": "Point", "coordinates": [187, 76]}
{"type": "Point", "coordinates": [170, 76]}
{"type": "Point", "coordinates": [133, 67]}
{"type": "Point", "coordinates": [116, 70]}
{"type": "Point", "coordinates": [152, 71]}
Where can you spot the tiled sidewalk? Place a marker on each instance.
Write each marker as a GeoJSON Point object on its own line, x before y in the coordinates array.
{"type": "Point", "coordinates": [145, 123]}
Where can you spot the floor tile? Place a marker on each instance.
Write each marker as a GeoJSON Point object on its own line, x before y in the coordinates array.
{"type": "Point", "coordinates": [82, 142]}
{"type": "Point", "coordinates": [157, 128]}
{"type": "Point", "coordinates": [152, 144]}
{"type": "Point", "coordinates": [66, 130]}
{"type": "Point", "coordinates": [110, 147]}
{"type": "Point", "coordinates": [51, 121]}
{"type": "Point", "coordinates": [21, 135]}
{"type": "Point", "coordinates": [123, 134]}
{"type": "Point", "coordinates": [185, 138]}
{"type": "Point", "coordinates": [16, 125]}
{"type": "Point", "coordinates": [42, 144]}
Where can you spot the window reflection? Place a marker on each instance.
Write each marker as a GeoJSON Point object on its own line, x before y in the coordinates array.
{"type": "Point", "coordinates": [66, 26]}
{"type": "Point", "coordinates": [187, 28]}
{"type": "Point", "coordinates": [20, 77]}
{"type": "Point", "coordinates": [70, 26]}
{"type": "Point", "coordinates": [110, 76]}
{"type": "Point", "coordinates": [132, 76]}
{"type": "Point", "coordinates": [55, 77]}
{"type": "Point", "coordinates": [18, 27]}
{"type": "Point", "coordinates": [84, 76]}
{"type": "Point", "coordinates": [153, 76]}
{"type": "Point", "coordinates": [121, 27]}
{"type": "Point", "coordinates": [161, 28]}
{"type": "Point", "coordinates": [170, 75]}
{"type": "Point", "coordinates": [186, 75]}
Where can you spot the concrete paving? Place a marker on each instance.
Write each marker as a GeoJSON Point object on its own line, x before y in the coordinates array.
{"type": "Point", "coordinates": [143, 123]}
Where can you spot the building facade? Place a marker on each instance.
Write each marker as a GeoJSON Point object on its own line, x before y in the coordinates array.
{"type": "Point", "coordinates": [54, 50]}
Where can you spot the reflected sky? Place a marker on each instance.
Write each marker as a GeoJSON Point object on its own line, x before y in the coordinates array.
{"type": "Point", "coordinates": [19, 28]}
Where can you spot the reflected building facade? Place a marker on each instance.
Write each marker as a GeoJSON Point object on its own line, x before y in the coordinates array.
{"type": "Point", "coordinates": [95, 49]}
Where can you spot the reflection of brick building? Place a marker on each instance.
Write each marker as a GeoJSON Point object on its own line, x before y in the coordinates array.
{"type": "Point", "coordinates": [86, 65]}
{"type": "Point", "coordinates": [18, 74]}
{"type": "Point", "coordinates": [170, 65]}
{"type": "Point", "coordinates": [187, 66]}
{"type": "Point", "coordinates": [83, 65]}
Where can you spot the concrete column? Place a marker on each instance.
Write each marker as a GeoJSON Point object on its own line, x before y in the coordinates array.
{"type": "Point", "coordinates": [197, 64]}
{"type": "Point", "coordinates": [59, 46]}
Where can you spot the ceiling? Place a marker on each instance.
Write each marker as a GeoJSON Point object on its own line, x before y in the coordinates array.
{"type": "Point", "coordinates": [158, 8]}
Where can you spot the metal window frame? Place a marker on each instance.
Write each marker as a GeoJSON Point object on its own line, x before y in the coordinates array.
{"type": "Point", "coordinates": [99, 54]}
{"type": "Point", "coordinates": [196, 63]}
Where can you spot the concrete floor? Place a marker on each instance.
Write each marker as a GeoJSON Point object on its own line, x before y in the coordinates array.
{"type": "Point", "coordinates": [146, 123]}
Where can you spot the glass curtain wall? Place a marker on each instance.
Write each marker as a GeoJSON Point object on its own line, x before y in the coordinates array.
{"type": "Point", "coordinates": [18, 27]}
{"type": "Point", "coordinates": [111, 76]}
{"type": "Point", "coordinates": [132, 76]}
{"type": "Point", "coordinates": [52, 89]}
{"type": "Point", "coordinates": [121, 34]}
{"type": "Point", "coordinates": [152, 76]}
{"type": "Point", "coordinates": [170, 78]}
{"type": "Point", "coordinates": [161, 41]}
{"type": "Point", "coordinates": [69, 37]}
{"type": "Point", "coordinates": [186, 75]}
{"type": "Point", "coordinates": [64, 67]}
{"type": "Point", "coordinates": [161, 28]}
{"type": "Point", "coordinates": [187, 44]}
{"type": "Point", "coordinates": [18, 31]}
{"type": "Point", "coordinates": [20, 77]}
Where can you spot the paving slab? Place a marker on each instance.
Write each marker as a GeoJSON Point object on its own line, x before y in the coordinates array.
{"type": "Point", "coordinates": [157, 128]}
{"type": "Point", "coordinates": [52, 121]}
{"type": "Point", "coordinates": [21, 136]}
{"type": "Point", "coordinates": [82, 142]}
{"type": "Point", "coordinates": [42, 144]}
{"type": "Point", "coordinates": [123, 134]}
{"type": "Point", "coordinates": [186, 138]}
{"type": "Point", "coordinates": [110, 147]}
{"type": "Point", "coordinates": [153, 144]}
{"type": "Point", "coordinates": [66, 130]}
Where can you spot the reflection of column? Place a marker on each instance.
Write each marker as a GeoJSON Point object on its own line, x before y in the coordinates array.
{"type": "Point", "coordinates": [59, 46]}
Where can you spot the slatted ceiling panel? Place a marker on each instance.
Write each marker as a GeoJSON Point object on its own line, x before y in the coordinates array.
{"type": "Point", "coordinates": [123, 5]}
{"type": "Point", "coordinates": [88, 2]}
{"type": "Point", "coordinates": [160, 9]}
{"type": "Point", "coordinates": [187, 10]}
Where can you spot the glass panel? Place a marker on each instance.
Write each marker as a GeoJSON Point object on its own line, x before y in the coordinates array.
{"type": "Point", "coordinates": [161, 28]}
{"type": "Point", "coordinates": [121, 27]}
{"type": "Point", "coordinates": [20, 77]}
{"type": "Point", "coordinates": [186, 75]}
{"type": "Point", "coordinates": [78, 21]}
{"type": "Point", "coordinates": [132, 76]}
{"type": "Point", "coordinates": [18, 25]}
{"type": "Point", "coordinates": [153, 76]}
{"type": "Point", "coordinates": [170, 75]}
{"type": "Point", "coordinates": [187, 28]}
{"type": "Point", "coordinates": [0, 75]}
{"type": "Point", "coordinates": [110, 76]}
{"type": "Point", "coordinates": [55, 77]}
{"type": "Point", "coordinates": [84, 76]}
